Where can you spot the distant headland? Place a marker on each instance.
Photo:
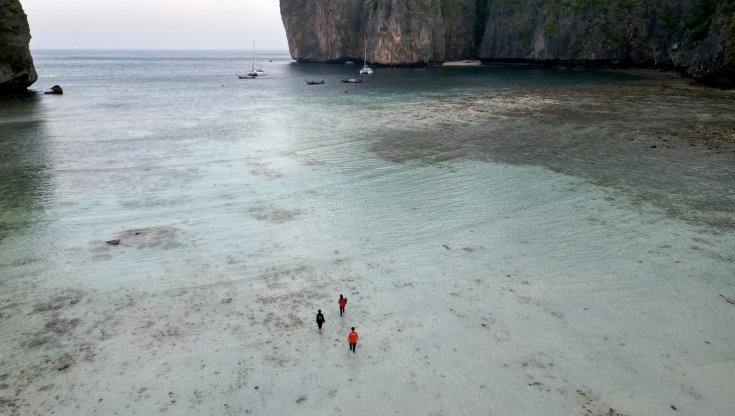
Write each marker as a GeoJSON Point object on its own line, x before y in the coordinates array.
{"type": "Point", "coordinates": [695, 37]}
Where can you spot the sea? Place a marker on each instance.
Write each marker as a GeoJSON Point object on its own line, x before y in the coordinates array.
{"type": "Point", "coordinates": [511, 240]}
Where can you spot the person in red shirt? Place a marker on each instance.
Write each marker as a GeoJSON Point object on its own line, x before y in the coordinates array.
{"type": "Point", "coordinates": [342, 302]}
{"type": "Point", "coordinates": [352, 340]}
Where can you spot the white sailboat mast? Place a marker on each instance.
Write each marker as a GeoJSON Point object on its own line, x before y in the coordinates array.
{"type": "Point", "coordinates": [253, 56]}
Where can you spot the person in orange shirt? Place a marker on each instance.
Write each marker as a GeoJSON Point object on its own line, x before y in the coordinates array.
{"type": "Point", "coordinates": [352, 340]}
{"type": "Point", "coordinates": [342, 302]}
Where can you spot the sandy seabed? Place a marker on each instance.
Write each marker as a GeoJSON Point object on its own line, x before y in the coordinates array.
{"type": "Point", "coordinates": [510, 316]}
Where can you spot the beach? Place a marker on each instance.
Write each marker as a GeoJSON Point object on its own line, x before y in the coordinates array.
{"type": "Point", "coordinates": [510, 241]}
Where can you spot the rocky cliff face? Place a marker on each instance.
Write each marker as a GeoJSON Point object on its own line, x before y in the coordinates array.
{"type": "Point", "coordinates": [394, 31]}
{"type": "Point", "coordinates": [695, 36]}
{"type": "Point", "coordinates": [16, 64]}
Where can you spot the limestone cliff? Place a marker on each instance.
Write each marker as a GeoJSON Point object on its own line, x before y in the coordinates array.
{"type": "Point", "coordinates": [695, 36]}
{"type": "Point", "coordinates": [16, 64]}
{"type": "Point", "coordinates": [394, 31]}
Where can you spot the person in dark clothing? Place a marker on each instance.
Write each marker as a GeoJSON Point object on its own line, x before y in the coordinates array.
{"type": "Point", "coordinates": [319, 319]}
{"type": "Point", "coordinates": [342, 302]}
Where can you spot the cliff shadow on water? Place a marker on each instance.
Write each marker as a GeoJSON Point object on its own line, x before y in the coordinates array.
{"type": "Point", "coordinates": [25, 173]}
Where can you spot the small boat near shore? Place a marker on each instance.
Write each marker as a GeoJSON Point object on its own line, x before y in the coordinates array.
{"type": "Point", "coordinates": [352, 81]}
{"type": "Point", "coordinates": [315, 82]}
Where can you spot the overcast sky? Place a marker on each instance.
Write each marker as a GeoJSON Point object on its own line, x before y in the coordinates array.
{"type": "Point", "coordinates": [155, 24]}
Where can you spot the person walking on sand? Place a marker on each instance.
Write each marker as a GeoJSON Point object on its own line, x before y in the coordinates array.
{"type": "Point", "coordinates": [352, 340]}
{"type": "Point", "coordinates": [342, 302]}
{"type": "Point", "coordinates": [319, 319]}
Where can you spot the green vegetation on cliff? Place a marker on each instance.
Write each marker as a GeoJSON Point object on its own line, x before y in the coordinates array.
{"type": "Point", "coordinates": [454, 8]}
{"type": "Point", "coordinates": [13, 53]}
{"type": "Point", "coordinates": [699, 19]}
{"type": "Point", "coordinates": [16, 64]}
{"type": "Point", "coordinates": [9, 11]}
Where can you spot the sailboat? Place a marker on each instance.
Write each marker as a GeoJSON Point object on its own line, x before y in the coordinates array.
{"type": "Point", "coordinates": [366, 69]}
{"type": "Point", "coordinates": [254, 72]}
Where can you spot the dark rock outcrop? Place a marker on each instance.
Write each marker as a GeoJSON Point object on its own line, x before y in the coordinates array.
{"type": "Point", "coordinates": [694, 36]}
{"type": "Point", "coordinates": [55, 90]}
{"type": "Point", "coordinates": [16, 64]}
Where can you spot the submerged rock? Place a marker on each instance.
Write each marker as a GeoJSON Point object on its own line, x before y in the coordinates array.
{"type": "Point", "coordinates": [61, 325]}
{"type": "Point", "coordinates": [16, 64]}
{"type": "Point", "coordinates": [63, 362]}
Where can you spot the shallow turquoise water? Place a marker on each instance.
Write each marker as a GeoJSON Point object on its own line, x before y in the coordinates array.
{"type": "Point", "coordinates": [162, 137]}
{"type": "Point", "coordinates": [273, 187]}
